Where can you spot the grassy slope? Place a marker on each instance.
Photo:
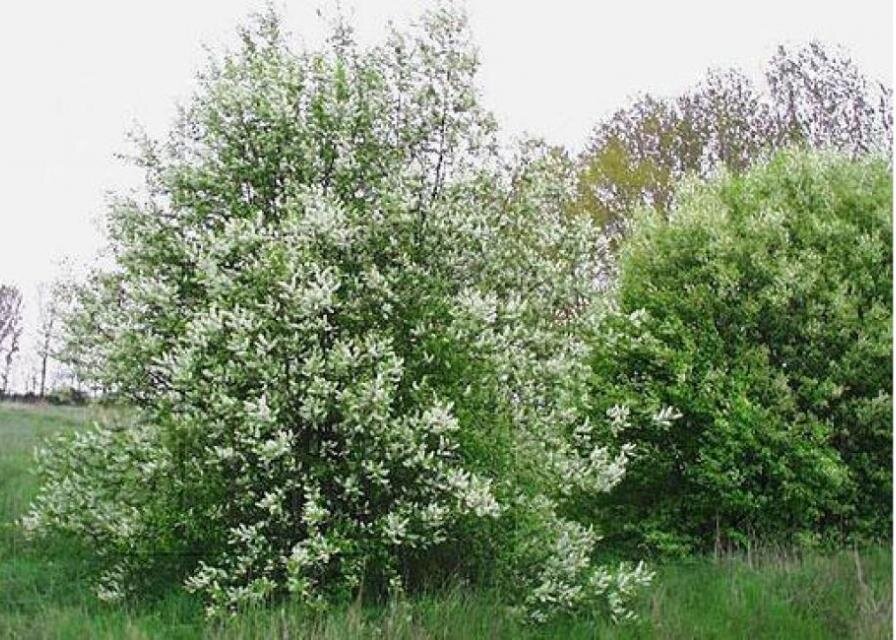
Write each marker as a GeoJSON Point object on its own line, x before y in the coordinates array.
{"type": "Point", "coordinates": [45, 590]}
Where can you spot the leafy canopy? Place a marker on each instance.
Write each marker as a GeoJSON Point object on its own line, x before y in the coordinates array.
{"type": "Point", "coordinates": [350, 331]}
{"type": "Point", "coordinates": [760, 309]}
{"type": "Point", "coordinates": [815, 97]}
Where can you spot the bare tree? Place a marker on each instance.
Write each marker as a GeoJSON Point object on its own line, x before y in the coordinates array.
{"type": "Point", "coordinates": [10, 331]}
{"type": "Point", "coordinates": [822, 98]}
{"type": "Point", "coordinates": [48, 323]}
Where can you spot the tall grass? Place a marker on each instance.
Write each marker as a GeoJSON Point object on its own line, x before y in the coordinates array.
{"type": "Point", "coordinates": [45, 589]}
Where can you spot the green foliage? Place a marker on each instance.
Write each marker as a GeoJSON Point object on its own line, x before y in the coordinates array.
{"type": "Point", "coordinates": [366, 355]}
{"type": "Point", "coordinates": [46, 589]}
{"type": "Point", "coordinates": [351, 334]}
{"type": "Point", "coordinates": [816, 97]}
{"type": "Point", "coordinates": [759, 310]}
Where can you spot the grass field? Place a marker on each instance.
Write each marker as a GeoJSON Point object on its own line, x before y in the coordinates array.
{"type": "Point", "coordinates": [45, 590]}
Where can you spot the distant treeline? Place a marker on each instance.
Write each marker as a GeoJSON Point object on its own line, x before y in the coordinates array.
{"type": "Point", "coordinates": [65, 396]}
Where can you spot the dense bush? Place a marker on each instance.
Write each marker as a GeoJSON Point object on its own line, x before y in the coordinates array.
{"type": "Point", "coordinates": [352, 336]}
{"type": "Point", "coordinates": [760, 311]}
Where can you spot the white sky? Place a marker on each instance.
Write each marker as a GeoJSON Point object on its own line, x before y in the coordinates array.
{"type": "Point", "coordinates": [77, 75]}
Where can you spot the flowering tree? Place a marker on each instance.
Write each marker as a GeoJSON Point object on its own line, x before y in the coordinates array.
{"type": "Point", "coordinates": [350, 331]}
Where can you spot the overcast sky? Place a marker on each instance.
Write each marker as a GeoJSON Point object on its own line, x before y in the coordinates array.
{"type": "Point", "coordinates": [77, 75]}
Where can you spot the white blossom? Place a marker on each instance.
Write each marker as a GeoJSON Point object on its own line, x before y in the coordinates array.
{"type": "Point", "coordinates": [350, 326]}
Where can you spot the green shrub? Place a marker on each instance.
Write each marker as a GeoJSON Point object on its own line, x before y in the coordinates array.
{"type": "Point", "coordinates": [761, 312]}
